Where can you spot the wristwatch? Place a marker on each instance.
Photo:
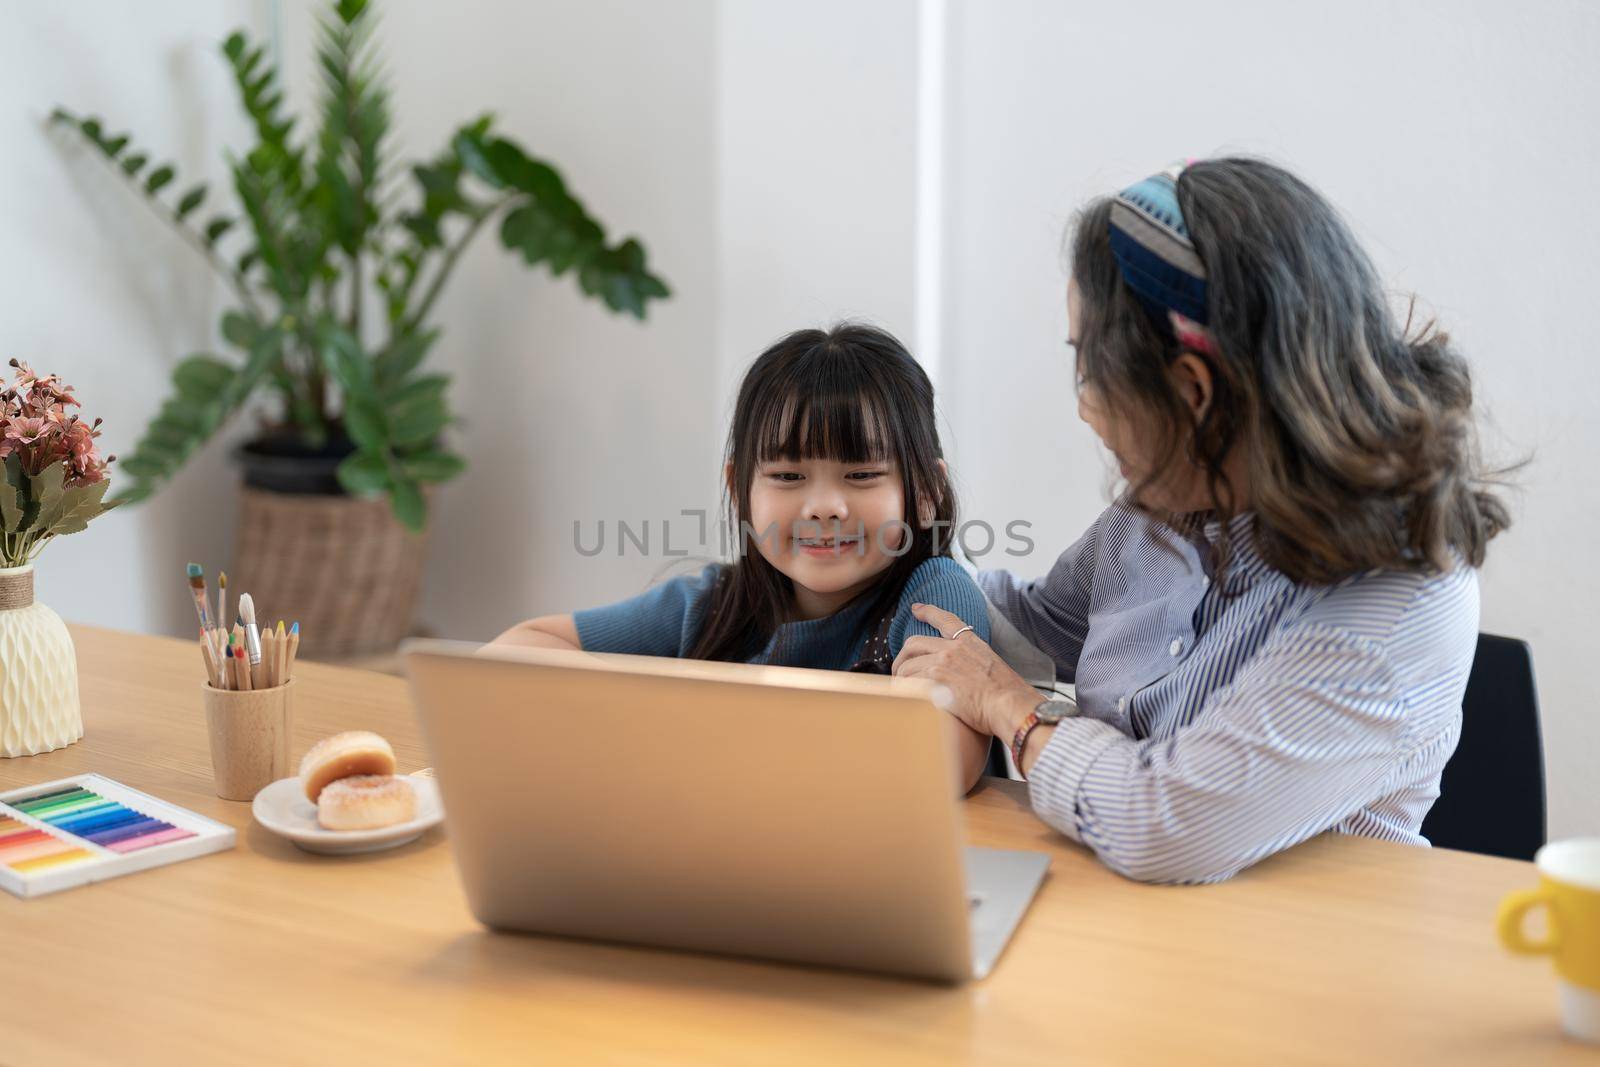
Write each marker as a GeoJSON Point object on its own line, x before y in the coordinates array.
{"type": "Point", "coordinates": [1046, 713]}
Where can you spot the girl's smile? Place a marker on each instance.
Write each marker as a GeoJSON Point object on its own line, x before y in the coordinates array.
{"type": "Point", "coordinates": [831, 547]}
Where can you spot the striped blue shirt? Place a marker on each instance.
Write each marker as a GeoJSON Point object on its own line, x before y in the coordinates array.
{"type": "Point", "coordinates": [1222, 725]}
{"type": "Point", "coordinates": [666, 620]}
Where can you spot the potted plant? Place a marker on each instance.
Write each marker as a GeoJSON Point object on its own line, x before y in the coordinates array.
{"type": "Point", "coordinates": [336, 262]}
{"type": "Point", "coordinates": [55, 484]}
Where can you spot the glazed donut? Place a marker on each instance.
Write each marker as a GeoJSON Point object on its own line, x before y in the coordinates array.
{"type": "Point", "coordinates": [344, 756]}
{"type": "Point", "coordinates": [366, 802]}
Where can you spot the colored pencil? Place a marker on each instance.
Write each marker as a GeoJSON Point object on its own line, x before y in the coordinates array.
{"type": "Point", "coordinates": [281, 643]}
{"type": "Point", "coordinates": [269, 658]}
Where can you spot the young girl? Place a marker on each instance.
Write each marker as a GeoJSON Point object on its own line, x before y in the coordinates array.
{"type": "Point", "coordinates": [842, 514]}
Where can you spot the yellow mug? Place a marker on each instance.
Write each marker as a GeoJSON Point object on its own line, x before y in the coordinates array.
{"type": "Point", "coordinates": [1569, 891]}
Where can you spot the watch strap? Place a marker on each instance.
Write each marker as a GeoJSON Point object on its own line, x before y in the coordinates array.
{"type": "Point", "coordinates": [1020, 738]}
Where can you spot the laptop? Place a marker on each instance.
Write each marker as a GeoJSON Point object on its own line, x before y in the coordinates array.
{"type": "Point", "coordinates": [773, 812]}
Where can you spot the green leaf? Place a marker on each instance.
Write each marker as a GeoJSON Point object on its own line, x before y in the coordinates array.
{"type": "Point", "coordinates": [470, 150]}
{"type": "Point", "coordinates": [424, 229]}
{"type": "Point", "coordinates": [45, 490]}
{"type": "Point", "coordinates": [350, 10]}
{"type": "Point", "coordinates": [551, 227]}
{"type": "Point", "coordinates": [133, 161]}
{"type": "Point", "coordinates": [433, 466]}
{"type": "Point", "coordinates": [133, 494]}
{"type": "Point", "coordinates": [217, 227]}
{"type": "Point", "coordinates": [158, 177]}
{"type": "Point", "coordinates": [248, 63]}
{"type": "Point", "coordinates": [409, 506]}
{"type": "Point", "coordinates": [191, 200]}
{"type": "Point", "coordinates": [201, 378]}
{"type": "Point", "coordinates": [418, 422]}
{"type": "Point", "coordinates": [346, 362]}
{"type": "Point", "coordinates": [72, 508]}
{"type": "Point", "coordinates": [364, 472]}
{"type": "Point", "coordinates": [365, 424]}
{"type": "Point", "coordinates": [530, 175]}
{"type": "Point", "coordinates": [526, 230]}
{"type": "Point", "coordinates": [428, 388]}
{"type": "Point", "coordinates": [144, 464]}
{"type": "Point", "coordinates": [239, 329]}
{"type": "Point", "coordinates": [11, 499]}
{"type": "Point", "coordinates": [401, 358]}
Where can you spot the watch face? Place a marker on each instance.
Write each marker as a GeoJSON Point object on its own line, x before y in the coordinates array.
{"type": "Point", "coordinates": [1053, 711]}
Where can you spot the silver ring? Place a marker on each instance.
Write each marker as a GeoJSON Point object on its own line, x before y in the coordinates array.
{"type": "Point", "coordinates": [959, 632]}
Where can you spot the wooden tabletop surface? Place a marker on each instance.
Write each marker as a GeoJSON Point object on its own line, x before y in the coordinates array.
{"type": "Point", "coordinates": [1341, 950]}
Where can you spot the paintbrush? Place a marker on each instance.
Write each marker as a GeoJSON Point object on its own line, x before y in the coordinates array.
{"type": "Point", "coordinates": [222, 597]}
{"type": "Point", "coordinates": [252, 636]}
{"type": "Point", "coordinates": [197, 588]}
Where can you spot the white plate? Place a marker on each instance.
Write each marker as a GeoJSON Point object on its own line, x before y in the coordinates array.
{"type": "Point", "coordinates": [282, 807]}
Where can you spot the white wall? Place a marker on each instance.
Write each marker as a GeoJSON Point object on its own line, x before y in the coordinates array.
{"type": "Point", "coordinates": [1457, 137]}
{"type": "Point", "coordinates": [816, 165]}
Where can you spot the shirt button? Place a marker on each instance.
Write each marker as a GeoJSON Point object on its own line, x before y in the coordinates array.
{"type": "Point", "coordinates": [1176, 646]}
{"type": "Point", "coordinates": [1122, 702]}
{"type": "Point", "coordinates": [1205, 582]}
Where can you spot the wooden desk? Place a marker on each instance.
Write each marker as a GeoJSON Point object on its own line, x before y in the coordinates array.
{"type": "Point", "coordinates": [1341, 950]}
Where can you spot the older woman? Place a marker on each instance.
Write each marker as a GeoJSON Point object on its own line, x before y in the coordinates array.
{"type": "Point", "coordinates": [1270, 632]}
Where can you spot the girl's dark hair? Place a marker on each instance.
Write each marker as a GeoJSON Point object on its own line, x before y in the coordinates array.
{"type": "Point", "coordinates": [852, 394]}
{"type": "Point", "coordinates": [1358, 431]}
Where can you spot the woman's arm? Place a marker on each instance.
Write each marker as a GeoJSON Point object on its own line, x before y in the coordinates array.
{"type": "Point", "coordinates": [1309, 731]}
{"type": "Point", "coordinates": [547, 631]}
{"type": "Point", "coordinates": [1305, 735]}
{"type": "Point", "coordinates": [1315, 726]}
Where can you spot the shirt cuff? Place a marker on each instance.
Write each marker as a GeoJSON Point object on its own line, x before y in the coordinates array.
{"type": "Point", "coordinates": [607, 629]}
{"type": "Point", "coordinates": [1058, 773]}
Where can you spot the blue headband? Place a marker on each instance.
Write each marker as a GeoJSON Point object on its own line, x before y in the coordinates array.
{"type": "Point", "coordinates": [1158, 260]}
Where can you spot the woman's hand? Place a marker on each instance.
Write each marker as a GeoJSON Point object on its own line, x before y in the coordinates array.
{"type": "Point", "coordinates": [984, 688]}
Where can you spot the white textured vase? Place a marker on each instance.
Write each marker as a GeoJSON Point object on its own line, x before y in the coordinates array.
{"type": "Point", "coordinates": [38, 672]}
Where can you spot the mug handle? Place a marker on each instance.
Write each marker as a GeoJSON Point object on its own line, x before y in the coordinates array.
{"type": "Point", "coordinates": [1509, 922]}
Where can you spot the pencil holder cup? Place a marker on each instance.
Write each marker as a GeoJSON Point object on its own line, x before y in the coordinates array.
{"type": "Point", "coordinates": [250, 734]}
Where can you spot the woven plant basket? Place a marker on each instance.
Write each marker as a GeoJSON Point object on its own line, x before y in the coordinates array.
{"type": "Point", "coordinates": [343, 567]}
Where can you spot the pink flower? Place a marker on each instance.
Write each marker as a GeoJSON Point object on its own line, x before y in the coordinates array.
{"type": "Point", "coordinates": [35, 426]}
{"type": "Point", "coordinates": [80, 441]}
{"type": "Point", "coordinates": [26, 431]}
{"type": "Point", "coordinates": [93, 469]}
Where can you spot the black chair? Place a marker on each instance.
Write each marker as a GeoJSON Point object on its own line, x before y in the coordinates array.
{"type": "Point", "coordinates": [1491, 798]}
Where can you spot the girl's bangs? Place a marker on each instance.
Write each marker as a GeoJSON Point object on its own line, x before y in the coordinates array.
{"type": "Point", "coordinates": [845, 424]}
